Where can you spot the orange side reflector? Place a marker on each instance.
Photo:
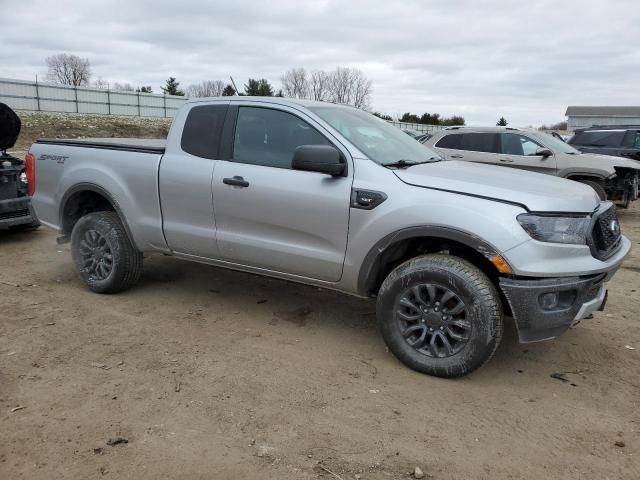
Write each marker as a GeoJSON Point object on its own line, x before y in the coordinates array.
{"type": "Point", "coordinates": [501, 264]}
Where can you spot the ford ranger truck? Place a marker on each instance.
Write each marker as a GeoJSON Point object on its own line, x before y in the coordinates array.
{"type": "Point", "coordinates": [331, 196]}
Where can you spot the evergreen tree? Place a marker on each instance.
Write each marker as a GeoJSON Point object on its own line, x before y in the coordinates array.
{"type": "Point", "coordinates": [383, 116]}
{"type": "Point", "coordinates": [502, 122]}
{"type": "Point", "coordinates": [258, 88]}
{"type": "Point", "coordinates": [144, 90]}
{"type": "Point", "coordinates": [171, 87]}
{"type": "Point", "coordinates": [410, 118]}
{"type": "Point", "coordinates": [228, 91]}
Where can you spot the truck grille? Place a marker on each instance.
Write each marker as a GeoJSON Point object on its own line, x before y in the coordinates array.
{"type": "Point", "coordinates": [605, 235]}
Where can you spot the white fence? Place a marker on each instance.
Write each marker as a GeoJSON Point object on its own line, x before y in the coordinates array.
{"type": "Point", "coordinates": [48, 97]}
{"type": "Point", "coordinates": [417, 127]}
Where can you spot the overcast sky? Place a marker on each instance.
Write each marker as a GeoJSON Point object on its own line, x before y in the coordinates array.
{"type": "Point", "coordinates": [524, 60]}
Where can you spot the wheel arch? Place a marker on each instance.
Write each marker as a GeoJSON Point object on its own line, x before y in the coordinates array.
{"type": "Point", "coordinates": [407, 243]}
{"type": "Point", "coordinates": [84, 198]}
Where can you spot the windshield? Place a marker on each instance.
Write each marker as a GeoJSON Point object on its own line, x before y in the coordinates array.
{"type": "Point", "coordinates": [554, 144]}
{"type": "Point", "coordinates": [381, 142]}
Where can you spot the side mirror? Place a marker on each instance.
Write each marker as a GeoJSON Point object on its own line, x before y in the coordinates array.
{"type": "Point", "coordinates": [543, 152]}
{"type": "Point", "coordinates": [318, 158]}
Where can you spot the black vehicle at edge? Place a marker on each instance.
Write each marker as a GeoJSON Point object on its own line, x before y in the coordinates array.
{"type": "Point", "coordinates": [15, 203]}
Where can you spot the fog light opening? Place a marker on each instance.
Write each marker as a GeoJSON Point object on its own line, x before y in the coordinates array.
{"type": "Point", "coordinates": [549, 301]}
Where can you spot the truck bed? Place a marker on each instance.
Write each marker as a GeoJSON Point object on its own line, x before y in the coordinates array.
{"type": "Point", "coordinates": [123, 170]}
{"type": "Point", "coordinates": [142, 145]}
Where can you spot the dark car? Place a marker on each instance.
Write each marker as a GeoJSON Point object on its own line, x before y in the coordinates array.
{"type": "Point", "coordinates": [15, 205]}
{"type": "Point", "coordinates": [620, 141]}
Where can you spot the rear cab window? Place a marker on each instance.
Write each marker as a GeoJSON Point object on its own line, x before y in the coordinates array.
{"type": "Point", "coordinates": [202, 130]}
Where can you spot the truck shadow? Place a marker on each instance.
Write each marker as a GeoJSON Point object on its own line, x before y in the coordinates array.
{"type": "Point", "coordinates": [295, 310]}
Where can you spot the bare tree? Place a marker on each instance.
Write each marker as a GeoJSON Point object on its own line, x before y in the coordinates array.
{"type": "Point", "coordinates": [206, 88]}
{"type": "Point", "coordinates": [361, 95]}
{"type": "Point", "coordinates": [295, 83]}
{"type": "Point", "coordinates": [319, 85]}
{"type": "Point", "coordinates": [123, 87]}
{"type": "Point", "coordinates": [68, 69]}
{"type": "Point", "coordinates": [101, 83]}
{"type": "Point", "coordinates": [341, 83]}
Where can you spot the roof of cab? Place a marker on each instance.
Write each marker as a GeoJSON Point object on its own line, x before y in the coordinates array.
{"type": "Point", "coordinates": [276, 100]}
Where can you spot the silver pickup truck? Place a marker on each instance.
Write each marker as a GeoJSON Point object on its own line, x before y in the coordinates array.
{"type": "Point", "coordinates": [331, 196]}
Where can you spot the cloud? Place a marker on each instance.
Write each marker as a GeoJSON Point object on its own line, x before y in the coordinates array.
{"type": "Point", "coordinates": [525, 61]}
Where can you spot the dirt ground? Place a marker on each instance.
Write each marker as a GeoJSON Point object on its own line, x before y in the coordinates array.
{"type": "Point", "coordinates": [210, 373]}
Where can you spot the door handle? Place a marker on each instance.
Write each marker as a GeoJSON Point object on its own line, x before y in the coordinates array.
{"type": "Point", "coordinates": [506, 160]}
{"type": "Point", "coordinates": [627, 154]}
{"type": "Point", "coordinates": [236, 181]}
{"type": "Point", "coordinates": [456, 156]}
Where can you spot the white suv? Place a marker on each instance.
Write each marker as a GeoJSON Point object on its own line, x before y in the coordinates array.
{"type": "Point", "coordinates": [611, 177]}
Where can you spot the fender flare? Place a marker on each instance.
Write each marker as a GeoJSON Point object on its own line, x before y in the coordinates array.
{"type": "Point", "coordinates": [92, 187]}
{"type": "Point", "coordinates": [372, 259]}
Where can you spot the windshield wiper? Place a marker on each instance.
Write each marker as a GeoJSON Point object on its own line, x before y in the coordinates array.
{"type": "Point", "coordinates": [410, 163]}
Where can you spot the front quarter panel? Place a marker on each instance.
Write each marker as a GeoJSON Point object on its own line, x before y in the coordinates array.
{"type": "Point", "coordinates": [408, 206]}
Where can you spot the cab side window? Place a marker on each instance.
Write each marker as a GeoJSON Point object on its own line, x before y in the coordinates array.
{"type": "Point", "coordinates": [514, 144]}
{"type": "Point", "coordinates": [269, 137]}
{"type": "Point", "coordinates": [202, 129]}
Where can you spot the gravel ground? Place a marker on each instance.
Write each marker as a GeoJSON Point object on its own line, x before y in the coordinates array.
{"type": "Point", "coordinates": [74, 125]}
{"type": "Point", "coordinates": [209, 373]}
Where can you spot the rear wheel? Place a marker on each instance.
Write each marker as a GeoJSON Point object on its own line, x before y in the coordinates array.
{"type": "Point", "coordinates": [597, 186]}
{"type": "Point", "coordinates": [440, 315]}
{"type": "Point", "coordinates": [103, 254]}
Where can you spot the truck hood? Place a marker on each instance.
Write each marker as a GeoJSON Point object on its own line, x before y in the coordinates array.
{"type": "Point", "coordinates": [536, 191]}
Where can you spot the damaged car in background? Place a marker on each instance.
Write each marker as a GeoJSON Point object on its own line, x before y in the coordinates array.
{"type": "Point", "coordinates": [15, 206]}
{"type": "Point", "coordinates": [612, 178]}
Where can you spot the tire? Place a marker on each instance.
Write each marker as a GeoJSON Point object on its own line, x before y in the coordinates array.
{"type": "Point", "coordinates": [597, 186]}
{"type": "Point", "coordinates": [478, 328]}
{"type": "Point", "coordinates": [99, 238]}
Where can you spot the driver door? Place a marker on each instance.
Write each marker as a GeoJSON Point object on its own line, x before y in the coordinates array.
{"type": "Point", "coordinates": [270, 216]}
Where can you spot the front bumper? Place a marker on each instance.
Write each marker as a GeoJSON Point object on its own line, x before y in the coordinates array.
{"type": "Point", "coordinates": [16, 211]}
{"type": "Point", "coordinates": [546, 308]}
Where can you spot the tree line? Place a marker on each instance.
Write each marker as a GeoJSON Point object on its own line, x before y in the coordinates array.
{"type": "Point", "coordinates": [432, 119]}
{"type": "Point", "coordinates": [341, 85]}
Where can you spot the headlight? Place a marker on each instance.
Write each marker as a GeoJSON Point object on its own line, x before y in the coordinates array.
{"type": "Point", "coordinates": [556, 229]}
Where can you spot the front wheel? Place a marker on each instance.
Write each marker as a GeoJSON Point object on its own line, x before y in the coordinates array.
{"type": "Point", "coordinates": [440, 315]}
{"type": "Point", "coordinates": [104, 256]}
